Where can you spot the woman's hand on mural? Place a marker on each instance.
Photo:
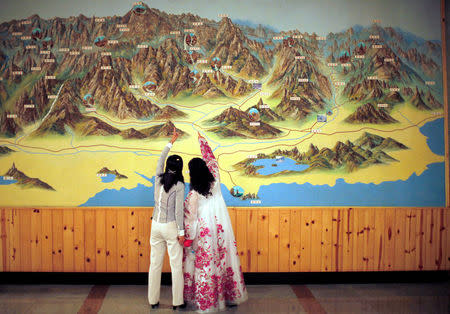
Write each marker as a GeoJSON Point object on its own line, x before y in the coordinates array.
{"type": "Point", "coordinates": [175, 135]}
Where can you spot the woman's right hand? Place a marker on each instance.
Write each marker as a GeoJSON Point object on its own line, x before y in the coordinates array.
{"type": "Point", "coordinates": [174, 135]}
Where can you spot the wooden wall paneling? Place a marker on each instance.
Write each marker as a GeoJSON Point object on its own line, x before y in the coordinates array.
{"type": "Point", "coordinates": [111, 240]}
{"type": "Point", "coordinates": [399, 238]}
{"type": "Point", "coordinates": [241, 237]}
{"type": "Point", "coordinates": [436, 239]}
{"type": "Point", "coordinates": [389, 242]}
{"type": "Point", "coordinates": [25, 239]}
{"type": "Point", "coordinates": [369, 237]}
{"type": "Point", "coordinates": [141, 235]}
{"type": "Point", "coordinates": [133, 248]}
{"type": "Point", "coordinates": [408, 239]}
{"type": "Point", "coordinates": [360, 221]}
{"type": "Point", "coordinates": [90, 234]}
{"type": "Point", "coordinates": [36, 240]}
{"type": "Point", "coordinates": [252, 240]}
{"type": "Point", "coordinates": [379, 238]}
{"type": "Point", "coordinates": [100, 239]}
{"type": "Point", "coordinates": [122, 240]}
{"type": "Point", "coordinates": [274, 240]}
{"type": "Point", "coordinates": [232, 213]}
{"type": "Point", "coordinates": [146, 241]}
{"type": "Point", "coordinates": [78, 240]}
{"type": "Point", "coordinates": [2, 240]}
{"type": "Point", "coordinates": [412, 238]}
{"type": "Point", "coordinates": [68, 240]}
{"type": "Point", "coordinates": [316, 240]}
{"type": "Point", "coordinates": [47, 239]}
{"type": "Point", "coordinates": [294, 240]}
{"type": "Point", "coordinates": [327, 238]}
{"type": "Point", "coordinates": [420, 236]}
{"type": "Point", "coordinates": [305, 240]}
{"type": "Point", "coordinates": [347, 239]}
{"type": "Point", "coordinates": [284, 249]}
{"type": "Point", "coordinates": [447, 237]}
{"type": "Point", "coordinates": [57, 251]}
{"type": "Point", "coordinates": [428, 240]}
{"type": "Point", "coordinates": [263, 240]}
{"type": "Point", "coordinates": [336, 253]}
{"type": "Point", "coordinates": [440, 263]}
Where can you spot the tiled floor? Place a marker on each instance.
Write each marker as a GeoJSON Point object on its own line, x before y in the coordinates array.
{"type": "Point", "coordinates": [329, 298]}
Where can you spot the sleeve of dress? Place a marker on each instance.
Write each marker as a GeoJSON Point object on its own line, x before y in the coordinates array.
{"type": "Point", "coordinates": [209, 158]}
{"type": "Point", "coordinates": [190, 215]}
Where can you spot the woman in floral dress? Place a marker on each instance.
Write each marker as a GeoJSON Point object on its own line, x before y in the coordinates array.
{"type": "Point", "coordinates": [212, 270]}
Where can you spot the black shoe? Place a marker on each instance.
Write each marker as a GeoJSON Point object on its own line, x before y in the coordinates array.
{"type": "Point", "coordinates": [154, 306]}
{"type": "Point", "coordinates": [182, 306]}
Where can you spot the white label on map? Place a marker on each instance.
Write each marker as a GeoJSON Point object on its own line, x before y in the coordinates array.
{"type": "Point", "coordinates": [28, 106]}
{"type": "Point", "coordinates": [321, 38]}
{"type": "Point", "coordinates": [332, 64]}
{"type": "Point", "coordinates": [142, 46]}
{"type": "Point", "coordinates": [175, 33]}
{"type": "Point", "coordinates": [25, 37]}
{"type": "Point", "coordinates": [394, 89]}
{"type": "Point", "coordinates": [263, 94]}
{"type": "Point", "coordinates": [252, 156]}
{"type": "Point", "coordinates": [125, 29]}
{"type": "Point", "coordinates": [49, 60]}
{"type": "Point", "coordinates": [35, 68]}
{"type": "Point", "coordinates": [30, 47]}
{"type": "Point", "coordinates": [99, 19]}
{"type": "Point", "coordinates": [91, 109]}
{"type": "Point", "coordinates": [255, 124]}
{"type": "Point", "coordinates": [303, 80]}
{"type": "Point", "coordinates": [383, 105]}
{"type": "Point", "coordinates": [202, 61]}
{"type": "Point", "coordinates": [133, 86]}
{"type": "Point", "coordinates": [263, 106]}
{"type": "Point", "coordinates": [372, 77]}
{"type": "Point", "coordinates": [346, 65]}
{"type": "Point", "coordinates": [107, 53]}
{"type": "Point", "coordinates": [101, 174]}
{"type": "Point", "coordinates": [226, 67]}
{"type": "Point", "coordinates": [52, 96]}
{"type": "Point", "coordinates": [277, 37]}
{"type": "Point", "coordinates": [294, 98]}
{"type": "Point", "coordinates": [253, 81]}
{"type": "Point", "coordinates": [316, 131]}
{"type": "Point", "coordinates": [197, 23]}
{"type": "Point", "coordinates": [436, 113]}
{"type": "Point", "coordinates": [430, 82]}
{"type": "Point", "coordinates": [8, 178]}
{"type": "Point", "coordinates": [16, 33]}
{"type": "Point", "coordinates": [44, 52]}
{"type": "Point", "coordinates": [374, 36]}
{"type": "Point", "coordinates": [339, 83]}
{"type": "Point", "coordinates": [208, 71]}
{"type": "Point", "coordinates": [299, 57]}
{"type": "Point", "coordinates": [189, 30]}
{"type": "Point", "coordinates": [17, 72]}
{"type": "Point", "coordinates": [377, 46]}
{"type": "Point", "coordinates": [255, 202]}
{"type": "Point", "coordinates": [360, 56]}
{"type": "Point", "coordinates": [149, 94]}
{"type": "Point", "coordinates": [194, 48]}
{"type": "Point", "coordinates": [297, 36]}
{"type": "Point", "coordinates": [11, 116]}
{"type": "Point", "coordinates": [50, 77]}
{"type": "Point", "coordinates": [222, 15]}
{"type": "Point", "coordinates": [86, 47]}
{"type": "Point", "coordinates": [105, 67]}
{"type": "Point", "coordinates": [25, 22]}
{"type": "Point", "coordinates": [63, 49]}
{"type": "Point", "coordinates": [113, 41]}
{"type": "Point", "coordinates": [74, 53]}
{"type": "Point", "coordinates": [121, 25]}
{"type": "Point", "coordinates": [389, 59]}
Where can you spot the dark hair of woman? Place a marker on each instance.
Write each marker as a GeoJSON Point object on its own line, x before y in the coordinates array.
{"type": "Point", "coordinates": [173, 173]}
{"type": "Point", "coordinates": [201, 177]}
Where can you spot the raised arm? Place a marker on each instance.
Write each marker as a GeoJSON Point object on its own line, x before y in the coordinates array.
{"type": "Point", "coordinates": [165, 152]}
{"type": "Point", "coordinates": [209, 157]}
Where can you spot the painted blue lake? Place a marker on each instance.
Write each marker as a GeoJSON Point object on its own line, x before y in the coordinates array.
{"type": "Point", "coordinates": [6, 182]}
{"type": "Point", "coordinates": [272, 166]}
{"type": "Point", "coordinates": [108, 178]}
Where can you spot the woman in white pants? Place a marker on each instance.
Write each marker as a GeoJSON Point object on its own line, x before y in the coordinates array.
{"type": "Point", "coordinates": [167, 226]}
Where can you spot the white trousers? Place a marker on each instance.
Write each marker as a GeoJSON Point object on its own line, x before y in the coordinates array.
{"type": "Point", "coordinates": [163, 234]}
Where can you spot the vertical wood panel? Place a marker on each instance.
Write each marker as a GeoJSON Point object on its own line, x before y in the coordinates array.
{"type": "Point", "coordinates": [57, 243]}
{"type": "Point", "coordinates": [122, 240]}
{"type": "Point", "coordinates": [369, 238]}
{"type": "Point", "coordinates": [284, 251]}
{"type": "Point", "coordinates": [111, 240]}
{"type": "Point", "coordinates": [241, 237]}
{"type": "Point", "coordinates": [294, 240]}
{"type": "Point", "coordinates": [36, 237]}
{"type": "Point", "coordinates": [78, 240]}
{"type": "Point", "coordinates": [327, 238]}
{"type": "Point", "coordinates": [305, 240]}
{"type": "Point", "coordinates": [428, 240]}
{"type": "Point", "coordinates": [316, 240]}
{"type": "Point", "coordinates": [141, 234]}
{"type": "Point", "coordinates": [25, 238]}
{"type": "Point", "coordinates": [47, 239]}
{"type": "Point", "coordinates": [68, 241]}
{"type": "Point", "coordinates": [2, 240]}
{"type": "Point", "coordinates": [89, 236]}
{"type": "Point", "coordinates": [347, 243]}
{"type": "Point", "coordinates": [389, 243]}
{"type": "Point", "coordinates": [379, 253]}
{"type": "Point", "coordinates": [336, 253]}
{"type": "Point", "coordinates": [447, 237]}
{"type": "Point", "coordinates": [440, 263]}
{"type": "Point", "coordinates": [100, 239]}
{"type": "Point", "coordinates": [274, 240]}
{"type": "Point", "coordinates": [410, 241]}
{"type": "Point", "coordinates": [252, 241]}
{"type": "Point", "coordinates": [420, 240]}
{"type": "Point", "coordinates": [146, 240]}
{"type": "Point", "coordinates": [263, 240]}
{"type": "Point", "coordinates": [232, 213]}
{"type": "Point", "coordinates": [399, 238]}
{"type": "Point", "coordinates": [133, 248]}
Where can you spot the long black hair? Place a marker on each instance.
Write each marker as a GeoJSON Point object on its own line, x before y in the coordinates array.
{"type": "Point", "coordinates": [173, 173]}
{"type": "Point", "coordinates": [201, 177]}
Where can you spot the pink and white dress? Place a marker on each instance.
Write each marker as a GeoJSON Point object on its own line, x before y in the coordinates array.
{"type": "Point", "coordinates": [212, 269]}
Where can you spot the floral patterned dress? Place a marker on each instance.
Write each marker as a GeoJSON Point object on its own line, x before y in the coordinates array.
{"type": "Point", "coordinates": [212, 270]}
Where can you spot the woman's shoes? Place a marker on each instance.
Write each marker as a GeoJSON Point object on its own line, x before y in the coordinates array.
{"type": "Point", "coordinates": [154, 306]}
{"type": "Point", "coordinates": [182, 306]}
